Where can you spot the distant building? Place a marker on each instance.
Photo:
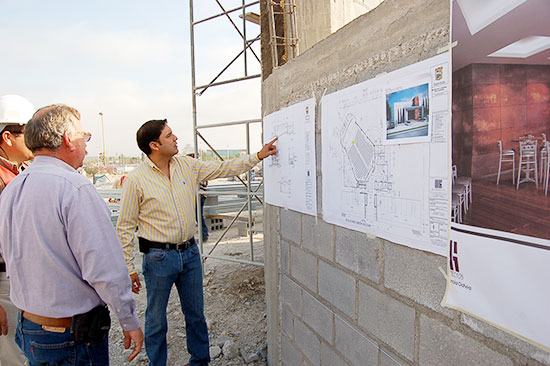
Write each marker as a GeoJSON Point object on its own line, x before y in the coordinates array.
{"type": "Point", "coordinates": [412, 110]}
{"type": "Point", "coordinates": [225, 153]}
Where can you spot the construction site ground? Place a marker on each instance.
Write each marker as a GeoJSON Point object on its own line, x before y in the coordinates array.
{"type": "Point", "coordinates": [234, 297]}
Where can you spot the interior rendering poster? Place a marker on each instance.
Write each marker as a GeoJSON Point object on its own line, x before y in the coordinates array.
{"type": "Point", "coordinates": [500, 249]}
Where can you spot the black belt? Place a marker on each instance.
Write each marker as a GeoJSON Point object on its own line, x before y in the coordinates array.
{"type": "Point", "coordinates": [145, 245]}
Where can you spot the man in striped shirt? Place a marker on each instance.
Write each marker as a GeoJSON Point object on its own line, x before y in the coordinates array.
{"type": "Point", "coordinates": [158, 199]}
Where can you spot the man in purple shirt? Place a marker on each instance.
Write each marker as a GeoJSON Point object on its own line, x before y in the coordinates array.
{"type": "Point", "coordinates": [62, 254]}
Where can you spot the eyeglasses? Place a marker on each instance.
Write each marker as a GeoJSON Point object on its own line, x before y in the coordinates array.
{"type": "Point", "coordinates": [86, 136]}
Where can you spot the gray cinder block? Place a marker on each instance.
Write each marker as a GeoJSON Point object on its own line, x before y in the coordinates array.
{"type": "Point", "coordinates": [289, 354]}
{"type": "Point", "coordinates": [441, 345]}
{"type": "Point", "coordinates": [318, 317]}
{"type": "Point", "coordinates": [287, 321]}
{"type": "Point", "coordinates": [329, 357]}
{"type": "Point", "coordinates": [291, 226]}
{"type": "Point", "coordinates": [337, 287]}
{"type": "Point", "coordinates": [415, 274]}
{"type": "Point", "coordinates": [303, 267]}
{"type": "Point", "coordinates": [284, 257]}
{"type": "Point", "coordinates": [388, 319]}
{"type": "Point", "coordinates": [318, 237]}
{"type": "Point", "coordinates": [354, 345]}
{"type": "Point", "coordinates": [307, 342]}
{"type": "Point", "coordinates": [291, 294]}
{"type": "Point", "coordinates": [358, 253]}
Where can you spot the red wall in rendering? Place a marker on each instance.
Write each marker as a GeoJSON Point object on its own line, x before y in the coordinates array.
{"type": "Point", "coordinates": [494, 102]}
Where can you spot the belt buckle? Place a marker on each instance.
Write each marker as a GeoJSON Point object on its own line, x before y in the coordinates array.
{"type": "Point", "coordinates": [181, 246]}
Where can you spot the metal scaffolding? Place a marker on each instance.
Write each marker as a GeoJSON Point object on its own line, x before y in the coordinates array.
{"type": "Point", "coordinates": [282, 31]}
{"type": "Point", "coordinates": [217, 80]}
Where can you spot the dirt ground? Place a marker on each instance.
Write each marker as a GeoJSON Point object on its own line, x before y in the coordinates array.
{"type": "Point", "coordinates": [234, 296]}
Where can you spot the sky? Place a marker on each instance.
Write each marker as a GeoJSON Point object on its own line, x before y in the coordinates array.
{"type": "Point", "coordinates": [130, 60]}
{"type": "Point", "coordinates": [406, 95]}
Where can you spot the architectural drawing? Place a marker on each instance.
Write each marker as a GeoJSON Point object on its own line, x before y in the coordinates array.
{"type": "Point", "coordinates": [380, 187]}
{"type": "Point", "coordinates": [283, 131]}
{"type": "Point", "coordinates": [290, 175]}
{"type": "Point", "coordinates": [285, 186]}
{"type": "Point", "coordinates": [359, 149]}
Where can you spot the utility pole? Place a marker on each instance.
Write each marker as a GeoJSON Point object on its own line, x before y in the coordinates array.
{"type": "Point", "coordinates": [103, 133]}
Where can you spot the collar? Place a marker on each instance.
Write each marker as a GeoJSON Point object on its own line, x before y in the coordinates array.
{"type": "Point", "coordinates": [51, 160]}
{"type": "Point", "coordinates": [152, 165]}
{"type": "Point", "coordinates": [10, 165]}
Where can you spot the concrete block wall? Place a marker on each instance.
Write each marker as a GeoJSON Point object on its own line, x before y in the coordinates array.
{"type": "Point", "coordinates": [340, 297]}
{"type": "Point", "coordinates": [377, 303]}
{"type": "Point", "coordinates": [317, 19]}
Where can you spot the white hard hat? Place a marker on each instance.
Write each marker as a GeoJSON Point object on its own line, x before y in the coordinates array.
{"type": "Point", "coordinates": [14, 110]}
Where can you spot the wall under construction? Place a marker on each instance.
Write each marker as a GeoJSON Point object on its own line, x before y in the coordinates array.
{"type": "Point", "coordinates": [339, 297]}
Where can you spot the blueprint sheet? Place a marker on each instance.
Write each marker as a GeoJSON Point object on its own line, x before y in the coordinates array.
{"type": "Point", "coordinates": [385, 155]}
{"type": "Point", "coordinates": [290, 175]}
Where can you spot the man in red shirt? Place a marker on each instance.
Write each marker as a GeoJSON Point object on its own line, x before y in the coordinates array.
{"type": "Point", "coordinates": [15, 111]}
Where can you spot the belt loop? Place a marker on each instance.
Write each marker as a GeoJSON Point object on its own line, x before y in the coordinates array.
{"type": "Point", "coordinates": [19, 330]}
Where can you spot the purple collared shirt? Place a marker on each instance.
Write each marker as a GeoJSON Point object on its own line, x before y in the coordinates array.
{"type": "Point", "coordinates": [62, 253]}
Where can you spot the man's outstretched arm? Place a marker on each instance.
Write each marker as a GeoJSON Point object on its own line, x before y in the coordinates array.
{"type": "Point", "coordinates": [268, 150]}
{"type": "Point", "coordinates": [207, 170]}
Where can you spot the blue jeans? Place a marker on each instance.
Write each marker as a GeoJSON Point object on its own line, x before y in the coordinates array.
{"type": "Point", "coordinates": [162, 269]}
{"type": "Point", "coordinates": [44, 348]}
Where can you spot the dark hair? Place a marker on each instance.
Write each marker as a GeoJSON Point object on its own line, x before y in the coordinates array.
{"type": "Point", "coordinates": [15, 129]}
{"type": "Point", "coordinates": [148, 132]}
